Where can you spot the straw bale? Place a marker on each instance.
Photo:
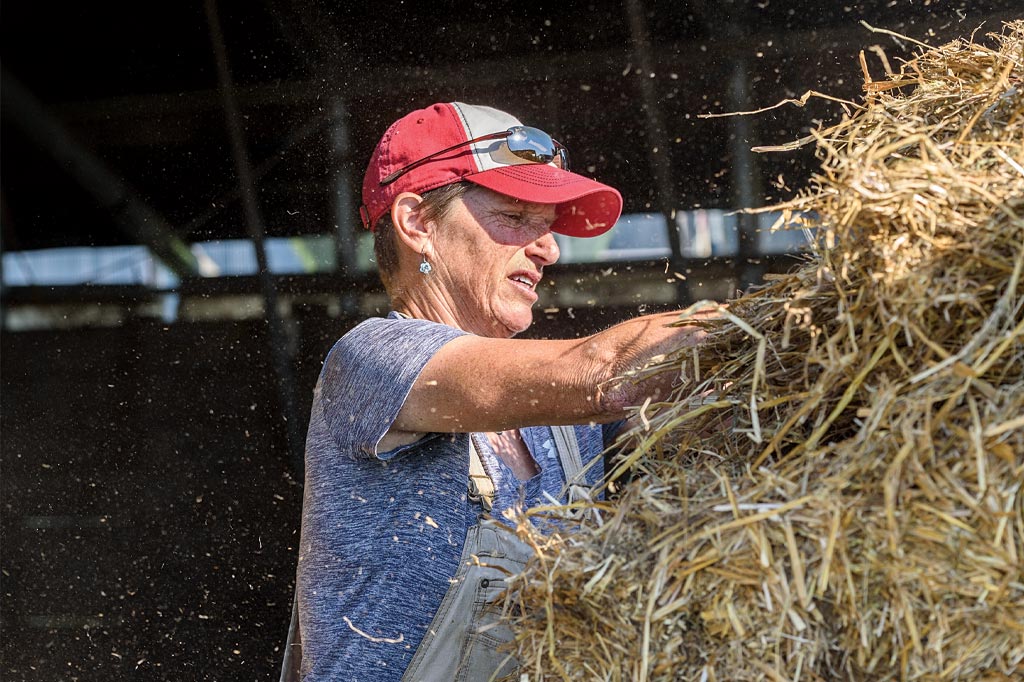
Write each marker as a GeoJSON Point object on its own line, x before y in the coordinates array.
{"type": "Point", "coordinates": [837, 493]}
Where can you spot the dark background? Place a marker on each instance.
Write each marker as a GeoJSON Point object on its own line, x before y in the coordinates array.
{"type": "Point", "coordinates": [151, 471]}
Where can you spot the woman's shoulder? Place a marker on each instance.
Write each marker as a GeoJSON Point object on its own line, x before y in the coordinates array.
{"type": "Point", "coordinates": [378, 342]}
{"type": "Point", "coordinates": [395, 325]}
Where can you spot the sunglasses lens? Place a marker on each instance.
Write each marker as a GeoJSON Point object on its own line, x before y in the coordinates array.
{"type": "Point", "coordinates": [562, 160]}
{"type": "Point", "coordinates": [536, 146]}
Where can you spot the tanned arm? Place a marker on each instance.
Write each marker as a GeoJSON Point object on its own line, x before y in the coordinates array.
{"type": "Point", "coordinates": [482, 384]}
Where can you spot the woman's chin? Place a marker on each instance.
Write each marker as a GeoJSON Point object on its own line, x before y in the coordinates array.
{"type": "Point", "coordinates": [514, 323]}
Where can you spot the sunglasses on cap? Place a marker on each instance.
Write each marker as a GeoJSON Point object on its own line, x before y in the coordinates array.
{"type": "Point", "coordinates": [532, 145]}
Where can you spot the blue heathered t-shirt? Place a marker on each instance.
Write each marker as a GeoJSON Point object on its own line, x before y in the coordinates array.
{"type": "Point", "coordinates": [382, 532]}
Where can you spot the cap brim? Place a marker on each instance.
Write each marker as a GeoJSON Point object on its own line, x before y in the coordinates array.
{"type": "Point", "coordinates": [586, 208]}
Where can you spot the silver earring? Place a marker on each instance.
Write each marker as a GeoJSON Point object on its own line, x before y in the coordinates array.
{"type": "Point", "coordinates": [425, 267]}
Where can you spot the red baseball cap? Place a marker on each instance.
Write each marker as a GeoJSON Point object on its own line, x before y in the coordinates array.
{"type": "Point", "coordinates": [585, 207]}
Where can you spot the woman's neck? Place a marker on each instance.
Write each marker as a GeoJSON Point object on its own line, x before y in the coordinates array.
{"type": "Point", "coordinates": [443, 310]}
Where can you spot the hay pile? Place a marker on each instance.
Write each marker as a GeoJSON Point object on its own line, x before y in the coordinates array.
{"type": "Point", "coordinates": [863, 517]}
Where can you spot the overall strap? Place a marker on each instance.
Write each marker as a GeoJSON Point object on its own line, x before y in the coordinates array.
{"type": "Point", "coordinates": [568, 449]}
{"type": "Point", "coordinates": [481, 487]}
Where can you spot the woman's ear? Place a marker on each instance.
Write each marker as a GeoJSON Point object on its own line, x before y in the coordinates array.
{"type": "Point", "coordinates": [407, 218]}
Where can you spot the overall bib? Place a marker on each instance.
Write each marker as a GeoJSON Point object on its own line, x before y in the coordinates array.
{"type": "Point", "coordinates": [463, 640]}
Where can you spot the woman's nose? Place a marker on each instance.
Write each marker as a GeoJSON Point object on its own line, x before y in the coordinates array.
{"type": "Point", "coordinates": [544, 249]}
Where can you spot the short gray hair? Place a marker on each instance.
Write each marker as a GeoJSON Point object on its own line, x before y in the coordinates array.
{"type": "Point", "coordinates": [436, 205]}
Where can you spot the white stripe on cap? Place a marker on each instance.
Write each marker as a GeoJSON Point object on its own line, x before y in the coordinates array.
{"type": "Point", "coordinates": [480, 120]}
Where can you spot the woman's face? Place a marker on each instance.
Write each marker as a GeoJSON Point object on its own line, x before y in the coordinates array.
{"type": "Point", "coordinates": [489, 255]}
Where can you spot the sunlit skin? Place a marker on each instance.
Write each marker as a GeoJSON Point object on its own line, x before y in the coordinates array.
{"type": "Point", "coordinates": [488, 255]}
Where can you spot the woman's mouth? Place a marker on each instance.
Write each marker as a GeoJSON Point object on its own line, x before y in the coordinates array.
{"type": "Point", "coordinates": [526, 282]}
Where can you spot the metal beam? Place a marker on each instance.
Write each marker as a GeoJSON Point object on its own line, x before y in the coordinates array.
{"type": "Point", "coordinates": [280, 347]}
{"type": "Point", "coordinates": [745, 165]}
{"type": "Point", "coordinates": [683, 56]}
{"type": "Point", "coordinates": [657, 139]}
{"type": "Point", "coordinates": [132, 214]}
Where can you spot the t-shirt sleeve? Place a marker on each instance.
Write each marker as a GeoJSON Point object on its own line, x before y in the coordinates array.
{"type": "Point", "coordinates": [368, 375]}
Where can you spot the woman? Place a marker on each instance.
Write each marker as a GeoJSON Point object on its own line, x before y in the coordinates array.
{"type": "Point", "coordinates": [396, 567]}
